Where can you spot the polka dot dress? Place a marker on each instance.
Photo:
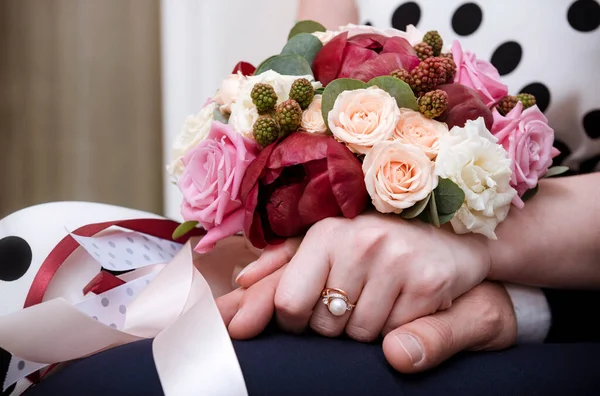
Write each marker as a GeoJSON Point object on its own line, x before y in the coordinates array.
{"type": "Point", "coordinates": [549, 48]}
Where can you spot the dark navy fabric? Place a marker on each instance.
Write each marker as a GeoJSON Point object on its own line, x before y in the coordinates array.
{"type": "Point", "coordinates": [280, 364]}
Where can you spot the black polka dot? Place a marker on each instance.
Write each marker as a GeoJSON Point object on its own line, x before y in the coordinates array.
{"type": "Point", "coordinates": [368, 23]}
{"type": "Point", "coordinates": [506, 57]}
{"type": "Point", "coordinates": [15, 258]}
{"type": "Point", "coordinates": [584, 15]}
{"type": "Point", "coordinates": [406, 14]}
{"type": "Point", "coordinates": [565, 151]}
{"type": "Point", "coordinates": [466, 19]}
{"type": "Point", "coordinates": [591, 124]}
{"type": "Point", "coordinates": [589, 165]}
{"type": "Point", "coordinates": [541, 93]}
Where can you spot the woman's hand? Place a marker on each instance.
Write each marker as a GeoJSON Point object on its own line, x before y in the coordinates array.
{"type": "Point", "coordinates": [393, 270]}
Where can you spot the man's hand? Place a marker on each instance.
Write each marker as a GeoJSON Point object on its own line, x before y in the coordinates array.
{"type": "Point", "coordinates": [482, 319]}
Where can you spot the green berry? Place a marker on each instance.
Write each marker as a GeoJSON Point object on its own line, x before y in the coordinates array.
{"type": "Point", "coordinates": [403, 75]}
{"type": "Point", "coordinates": [302, 92]}
{"type": "Point", "coordinates": [264, 97]}
{"type": "Point", "coordinates": [528, 100]}
{"type": "Point", "coordinates": [289, 116]}
{"type": "Point", "coordinates": [433, 103]}
{"type": "Point", "coordinates": [434, 39]}
{"type": "Point", "coordinates": [424, 51]}
{"type": "Point", "coordinates": [506, 104]}
{"type": "Point", "coordinates": [265, 130]}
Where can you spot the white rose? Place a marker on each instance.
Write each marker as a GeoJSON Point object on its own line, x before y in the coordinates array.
{"type": "Point", "coordinates": [194, 130]}
{"type": "Point", "coordinates": [470, 157]}
{"type": "Point", "coordinates": [312, 117]}
{"type": "Point", "coordinates": [229, 91]}
{"type": "Point", "coordinates": [244, 113]}
{"type": "Point", "coordinates": [412, 35]}
{"type": "Point", "coordinates": [363, 117]}
{"type": "Point", "coordinates": [397, 176]}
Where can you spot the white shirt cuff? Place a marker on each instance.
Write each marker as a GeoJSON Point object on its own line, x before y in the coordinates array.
{"type": "Point", "coordinates": [532, 312]}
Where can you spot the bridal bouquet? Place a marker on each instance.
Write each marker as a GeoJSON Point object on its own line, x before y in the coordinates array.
{"type": "Point", "coordinates": [357, 118]}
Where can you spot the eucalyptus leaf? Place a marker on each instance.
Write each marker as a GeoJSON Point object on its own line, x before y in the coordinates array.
{"type": "Point", "coordinates": [416, 209]}
{"type": "Point", "coordinates": [290, 64]}
{"type": "Point", "coordinates": [304, 44]}
{"type": "Point", "coordinates": [184, 228]}
{"type": "Point", "coordinates": [261, 65]}
{"type": "Point", "coordinates": [555, 171]}
{"type": "Point", "coordinates": [398, 89]}
{"type": "Point", "coordinates": [333, 90]}
{"type": "Point", "coordinates": [433, 212]}
{"type": "Point", "coordinates": [218, 116]}
{"type": "Point", "coordinates": [306, 26]}
{"type": "Point", "coordinates": [319, 91]}
{"type": "Point", "coordinates": [530, 193]}
{"type": "Point", "coordinates": [448, 196]}
{"type": "Point", "coordinates": [445, 218]}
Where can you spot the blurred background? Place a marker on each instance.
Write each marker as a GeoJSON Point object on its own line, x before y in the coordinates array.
{"type": "Point", "coordinates": [93, 92]}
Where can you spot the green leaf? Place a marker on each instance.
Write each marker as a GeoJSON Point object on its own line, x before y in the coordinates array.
{"type": "Point", "coordinates": [184, 228]}
{"type": "Point", "coordinates": [261, 65]}
{"type": "Point", "coordinates": [448, 196]}
{"type": "Point", "coordinates": [416, 209]}
{"type": "Point", "coordinates": [319, 91]}
{"type": "Point", "coordinates": [218, 116]}
{"type": "Point", "coordinates": [290, 64]}
{"type": "Point", "coordinates": [433, 211]}
{"type": "Point", "coordinates": [304, 44]}
{"type": "Point", "coordinates": [398, 89]}
{"type": "Point", "coordinates": [306, 27]}
{"type": "Point", "coordinates": [530, 193]}
{"type": "Point", "coordinates": [445, 218]}
{"type": "Point", "coordinates": [335, 88]}
{"type": "Point", "coordinates": [555, 171]}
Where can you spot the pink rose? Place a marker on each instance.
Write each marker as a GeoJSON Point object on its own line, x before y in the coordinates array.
{"type": "Point", "coordinates": [210, 183]}
{"type": "Point", "coordinates": [478, 74]}
{"type": "Point", "coordinates": [527, 138]}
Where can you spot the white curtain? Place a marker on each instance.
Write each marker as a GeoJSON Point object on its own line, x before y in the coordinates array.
{"type": "Point", "coordinates": [202, 40]}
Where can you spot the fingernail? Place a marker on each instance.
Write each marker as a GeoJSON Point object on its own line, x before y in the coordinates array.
{"type": "Point", "coordinates": [245, 270]}
{"type": "Point", "coordinates": [412, 347]}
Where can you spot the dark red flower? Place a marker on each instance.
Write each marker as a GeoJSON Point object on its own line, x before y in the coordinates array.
{"type": "Point", "coordinates": [464, 104]}
{"type": "Point", "coordinates": [295, 183]}
{"type": "Point", "coordinates": [246, 68]}
{"type": "Point", "coordinates": [363, 57]}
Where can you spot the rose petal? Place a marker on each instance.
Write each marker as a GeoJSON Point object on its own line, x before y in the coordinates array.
{"type": "Point", "coordinates": [372, 41]}
{"type": "Point", "coordinates": [464, 104]}
{"type": "Point", "coordinates": [231, 225]}
{"type": "Point", "coordinates": [398, 45]}
{"type": "Point", "coordinates": [282, 210]}
{"type": "Point", "coordinates": [382, 65]}
{"type": "Point", "coordinates": [328, 60]}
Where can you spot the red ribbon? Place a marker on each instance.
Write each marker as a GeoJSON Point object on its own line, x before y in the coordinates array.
{"type": "Point", "coordinates": [160, 228]}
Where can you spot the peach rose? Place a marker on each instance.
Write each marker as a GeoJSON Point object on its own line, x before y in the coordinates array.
{"type": "Point", "coordinates": [229, 91]}
{"type": "Point", "coordinates": [414, 128]}
{"type": "Point", "coordinates": [363, 117]}
{"type": "Point", "coordinates": [312, 118]}
{"type": "Point", "coordinates": [398, 175]}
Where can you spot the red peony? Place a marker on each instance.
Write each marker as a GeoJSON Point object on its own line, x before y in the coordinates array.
{"type": "Point", "coordinates": [295, 183]}
{"type": "Point", "coordinates": [245, 68]}
{"type": "Point", "coordinates": [363, 57]}
{"type": "Point", "coordinates": [464, 104]}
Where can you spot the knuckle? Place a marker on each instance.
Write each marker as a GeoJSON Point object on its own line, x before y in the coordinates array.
{"type": "Point", "coordinates": [432, 280]}
{"type": "Point", "coordinates": [441, 329]}
{"type": "Point", "coordinates": [360, 333]}
{"type": "Point", "coordinates": [326, 228]}
{"type": "Point", "coordinates": [286, 305]}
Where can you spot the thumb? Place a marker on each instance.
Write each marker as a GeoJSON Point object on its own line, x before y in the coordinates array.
{"type": "Point", "coordinates": [475, 321]}
{"type": "Point", "coordinates": [272, 258]}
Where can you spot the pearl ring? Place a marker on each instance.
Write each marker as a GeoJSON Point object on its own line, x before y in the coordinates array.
{"type": "Point", "coordinates": [337, 301]}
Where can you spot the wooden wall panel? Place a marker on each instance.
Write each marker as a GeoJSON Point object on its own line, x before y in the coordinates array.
{"type": "Point", "coordinates": [80, 103]}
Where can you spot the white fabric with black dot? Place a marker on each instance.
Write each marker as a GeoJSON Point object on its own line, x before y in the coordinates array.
{"type": "Point", "coordinates": [549, 48]}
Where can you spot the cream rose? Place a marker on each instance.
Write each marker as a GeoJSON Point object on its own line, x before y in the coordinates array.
{"type": "Point", "coordinates": [312, 118]}
{"type": "Point", "coordinates": [194, 130]}
{"type": "Point", "coordinates": [472, 159]}
{"type": "Point", "coordinates": [397, 176]}
{"type": "Point", "coordinates": [243, 111]}
{"type": "Point", "coordinates": [414, 128]}
{"type": "Point", "coordinates": [363, 117]}
{"type": "Point", "coordinates": [229, 91]}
